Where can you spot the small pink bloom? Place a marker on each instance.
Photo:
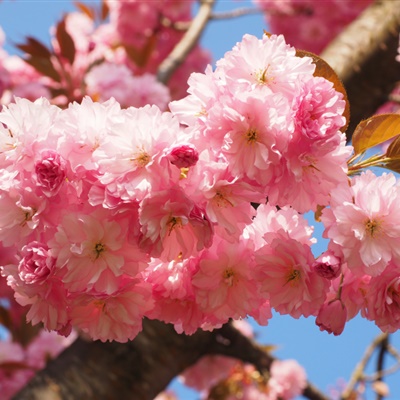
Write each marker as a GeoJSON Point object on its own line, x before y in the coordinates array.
{"type": "Point", "coordinates": [288, 379]}
{"type": "Point", "coordinates": [332, 317]}
{"type": "Point", "coordinates": [184, 156]}
{"type": "Point", "coordinates": [37, 263]}
{"type": "Point", "coordinates": [50, 172]}
{"type": "Point", "coordinates": [327, 265]}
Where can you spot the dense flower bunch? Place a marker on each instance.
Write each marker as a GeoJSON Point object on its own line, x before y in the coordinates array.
{"type": "Point", "coordinates": [115, 214]}
{"type": "Point", "coordinates": [118, 214]}
{"type": "Point", "coordinates": [308, 24]}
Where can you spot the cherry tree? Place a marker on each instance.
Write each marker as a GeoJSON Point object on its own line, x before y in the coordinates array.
{"type": "Point", "coordinates": [151, 202]}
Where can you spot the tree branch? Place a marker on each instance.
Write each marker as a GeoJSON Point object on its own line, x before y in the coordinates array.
{"type": "Point", "coordinates": [188, 41]}
{"type": "Point", "coordinates": [363, 56]}
{"type": "Point", "coordinates": [142, 368]}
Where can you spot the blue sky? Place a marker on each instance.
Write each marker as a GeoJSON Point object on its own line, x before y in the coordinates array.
{"type": "Point", "coordinates": [325, 357]}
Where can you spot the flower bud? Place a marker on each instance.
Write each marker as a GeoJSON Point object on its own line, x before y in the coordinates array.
{"type": "Point", "coordinates": [327, 265]}
{"type": "Point", "coordinates": [184, 156]}
{"type": "Point", "coordinates": [332, 317]}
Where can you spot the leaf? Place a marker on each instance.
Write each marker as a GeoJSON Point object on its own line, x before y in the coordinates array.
{"type": "Point", "coordinates": [141, 57]}
{"type": "Point", "coordinates": [105, 10]}
{"type": "Point", "coordinates": [85, 9]}
{"type": "Point", "coordinates": [67, 45]}
{"type": "Point", "coordinates": [375, 130]}
{"type": "Point", "coordinates": [34, 48]}
{"type": "Point", "coordinates": [44, 66]}
{"type": "Point", "coordinates": [394, 148]}
{"type": "Point", "coordinates": [324, 70]}
{"type": "Point", "coordinates": [393, 165]}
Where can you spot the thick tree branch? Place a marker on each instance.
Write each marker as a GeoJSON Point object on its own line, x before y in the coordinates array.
{"type": "Point", "coordinates": [189, 40]}
{"type": "Point", "coordinates": [140, 369]}
{"type": "Point", "coordinates": [363, 56]}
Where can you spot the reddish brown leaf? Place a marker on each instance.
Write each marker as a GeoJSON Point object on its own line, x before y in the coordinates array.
{"type": "Point", "coordinates": [44, 66]}
{"type": "Point", "coordinates": [394, 148]}
{"type": "Point", "coordinates": [141, 56]}
{"type": "Point", "coordinates": [104, 10]}
{"type": "Point", "coordinates": [85, 9]}
{"type": "Point", "coordinates": [67, 45]}
{"type": "Point", "coordinates": [324, 70]}
{"type": "Point", "coordinates": [34, 48]}
{"type": "Point", "coordinates": [375, 130]}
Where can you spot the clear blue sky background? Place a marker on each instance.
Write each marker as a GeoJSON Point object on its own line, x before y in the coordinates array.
{"type": "Point", "coordinates": [325, 357]}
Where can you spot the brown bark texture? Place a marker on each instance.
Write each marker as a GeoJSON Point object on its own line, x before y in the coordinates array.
{"type": "Point", "coordinates": [363, 56]}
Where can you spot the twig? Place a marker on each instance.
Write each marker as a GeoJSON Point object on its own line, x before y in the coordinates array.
{"type": "Point", "coordinates": [380, 362]}
{"type": "Point", "coordinates": [239, 12]}
{"type": "Point", "coordinates": [358, 373]}
{"type": "Point", "coordinates": [188, 41]}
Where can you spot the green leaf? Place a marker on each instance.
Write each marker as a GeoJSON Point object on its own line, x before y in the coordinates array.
{"type": "Point", "coordinates": [374, 131]}
{"type": "Point", "coordinates": [67, 45]}
{"type": "Point", "coordinates": [324, 70]}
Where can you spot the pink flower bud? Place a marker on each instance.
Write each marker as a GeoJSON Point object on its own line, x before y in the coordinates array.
{"type": "Point", "coordinates": [332, 317]}
{"type": "Point", "coordinates": [50, 172]}
{"type": "Point", "coordinates": [327, 265]}
{"type": "Point", "coordinates": [184, 156]}
{"type": "Point", "coordinates": [37, 263]}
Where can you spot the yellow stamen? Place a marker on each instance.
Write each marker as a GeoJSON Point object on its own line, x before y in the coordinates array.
{"type": "Point", "coordinates": [98, 249]}
{"type": "Point", "coordinates": [372, 227]}
{"type": "Point", "coordinates": [174, 222]}
{"type": "Point", "coordinates": [293, 277]}
{"type": "Point", "coordinates": [251, 136]}
{"type": "Point", "coordinates": [229, 277]}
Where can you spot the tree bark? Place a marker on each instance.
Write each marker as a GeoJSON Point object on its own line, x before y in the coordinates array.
{"type": "Point", "coordinates": [140, 369]}
{"type": "Point", "coordinates": [363, 56]}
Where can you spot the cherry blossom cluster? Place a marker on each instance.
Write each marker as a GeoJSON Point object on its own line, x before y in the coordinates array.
{"type": "Point", "coordinates": [117, 58]}
{"type": "Point", "coordinates": [307, 24]}
{"type": "Point", "coordinates": [115, 214]}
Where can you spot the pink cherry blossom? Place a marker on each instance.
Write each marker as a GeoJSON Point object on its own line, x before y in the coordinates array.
{"type": "Point", "coordinates": [285, 275]}
{"type": "Point", "coordinates": [383, 299]}
{"type": "Point", "coordinates": [173, 226]}
{"type": "Point", "coordinates": [267, 63]}
{"type": "Point", "coordinates": [224, 284]}
{"type": "Point", "coordinates": [50, 172]}
{"type": "Point", "coordinates": [363, 222]}
{"type": "Point", "coordinates": [112, 317]}
{"type": "Point", "coordinates": [94, 252]}
{"type": "Point", "coordinates": [288, 379]}
{"type": "Point", "coordinates": [36, 265]}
